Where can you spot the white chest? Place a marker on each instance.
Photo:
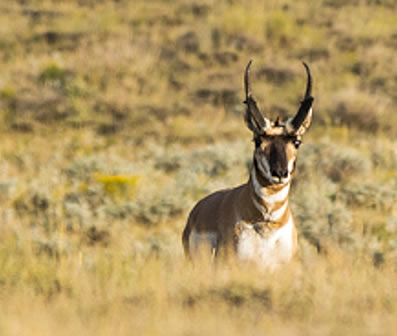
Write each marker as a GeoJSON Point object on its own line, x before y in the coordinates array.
{"type": "Point", "coordinates": [269, 249]}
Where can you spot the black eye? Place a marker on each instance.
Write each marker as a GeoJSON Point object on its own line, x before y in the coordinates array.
{"type": "Point", "coordinates": [297, 143]}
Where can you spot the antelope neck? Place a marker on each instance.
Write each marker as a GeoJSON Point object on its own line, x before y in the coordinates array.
{"type": "Point", "coordinates": [270, 200]}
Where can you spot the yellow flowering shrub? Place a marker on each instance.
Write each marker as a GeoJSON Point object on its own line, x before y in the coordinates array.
{"type": "Point", "coordinates": [119, 186]}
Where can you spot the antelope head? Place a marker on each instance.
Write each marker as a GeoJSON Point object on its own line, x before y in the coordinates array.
{"type": "Point", "coordinates": [277, 142]}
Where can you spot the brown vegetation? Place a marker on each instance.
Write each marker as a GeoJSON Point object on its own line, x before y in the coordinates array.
{"type": "Point", "coordinates": [118, 115]}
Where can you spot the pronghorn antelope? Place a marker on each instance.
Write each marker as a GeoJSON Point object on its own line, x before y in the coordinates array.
{"type": "Point", "coordinates": [254, 221]}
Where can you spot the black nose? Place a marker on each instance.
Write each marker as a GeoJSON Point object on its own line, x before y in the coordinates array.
{"type": "Point", "coordinates": [278, 160]}
{"type": "Point", "coordinates": [280, 172]}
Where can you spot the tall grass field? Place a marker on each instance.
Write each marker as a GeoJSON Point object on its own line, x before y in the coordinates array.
{"type": "Point", "coordinates": [118, 116]}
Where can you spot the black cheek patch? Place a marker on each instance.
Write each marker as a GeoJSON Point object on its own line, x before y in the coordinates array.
{"type": "Point", "coordinates": [293, 167]}
{"type": "Point", "coordinates": [257, 142]}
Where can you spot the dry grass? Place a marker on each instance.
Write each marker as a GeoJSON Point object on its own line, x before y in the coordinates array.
{"type": "Point", "coordinates": [79, 257]}
{"type": "Point", "coordinates": [118, 116]}
{"type": "Point", "coordinates": [105, 292]}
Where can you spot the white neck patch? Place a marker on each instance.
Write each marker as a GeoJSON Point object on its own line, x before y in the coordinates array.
{"type": "Point", "coordinates": [270, 199]}
{"type": "Point", "coordinates": [266, 195]}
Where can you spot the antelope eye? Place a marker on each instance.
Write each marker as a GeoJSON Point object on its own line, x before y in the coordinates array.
{"type": "Point", "coordinates": [297, 143]}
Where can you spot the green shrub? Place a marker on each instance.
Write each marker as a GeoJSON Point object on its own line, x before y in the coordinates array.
{"type": "Point", "coordinates": [53, 75]}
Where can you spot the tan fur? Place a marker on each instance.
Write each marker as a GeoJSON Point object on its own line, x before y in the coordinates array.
{"type": "Point", "coordinates": [251, 213]}
{"type": "Point", "coordinates": [224, 211]}
{"type": "Point", "coordinates": [253, 220]}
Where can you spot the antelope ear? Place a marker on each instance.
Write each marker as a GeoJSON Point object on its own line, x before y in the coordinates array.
{"type": "Point", "coordinates": [253, 118]}
{"type": "Point", "coordinates": [303, 126]}
{"type": "Point", "coordinates": [306, 123]}
{"type": "Point", "coordinates": [250, 122]}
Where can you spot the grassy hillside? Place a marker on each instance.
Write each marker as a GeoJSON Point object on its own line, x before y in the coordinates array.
{"type": "Point", "coordinates": [117, 116]}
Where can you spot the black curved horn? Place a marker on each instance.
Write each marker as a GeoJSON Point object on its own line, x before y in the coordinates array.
{"type": "Point", "coordinates": [306, 103]}
{"type": "Point", "coordinates": [260, 123]}
{"type": "Point", "coordinates": [309, 81]}
{"type": "Point", "coordinates": [246, 80]}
